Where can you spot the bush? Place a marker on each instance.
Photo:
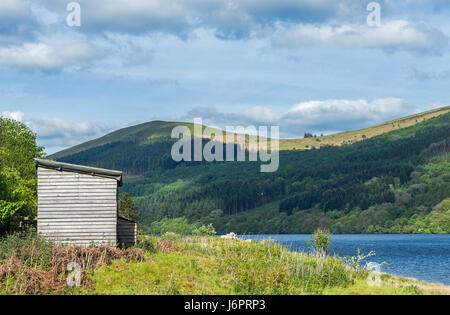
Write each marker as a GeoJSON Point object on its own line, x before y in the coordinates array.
{"type": "Point", "coordinates": [205, 230]}
{"type": "Point", "coordinates": [145, 243]}
{"type": "Point", "coordinates": [321, 241]}
{"type": "Point", "coordinates": [27, 247]}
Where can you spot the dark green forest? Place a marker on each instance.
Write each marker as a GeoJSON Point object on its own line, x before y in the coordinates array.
{"type": "Point", "coordinates": [398, 182]}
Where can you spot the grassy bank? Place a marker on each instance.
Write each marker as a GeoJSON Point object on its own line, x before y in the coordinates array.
{"type": "Point", "coordinates": [217, 266]}
{"type": "Point", "coordinates": [188, 265]}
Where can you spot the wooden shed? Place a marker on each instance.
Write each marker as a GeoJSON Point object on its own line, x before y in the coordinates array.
{"type": "Point", "coordinates": [78, 205]}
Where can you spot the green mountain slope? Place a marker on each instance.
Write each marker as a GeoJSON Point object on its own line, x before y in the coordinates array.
{"type": "Point", "coordinates": [395, 182]}
{"type": "Point", "coordinates": [158, 131]}
{"type": "Point", "coordinates": [143, 133]}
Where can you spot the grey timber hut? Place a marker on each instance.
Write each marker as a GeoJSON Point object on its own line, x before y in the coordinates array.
{"type": "Point", "coordinates": [78, 205]}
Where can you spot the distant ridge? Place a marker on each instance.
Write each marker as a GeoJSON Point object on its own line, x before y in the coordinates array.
{"type": "Point", "coordinates": [159, 131]}
{"type": "Point", "coordinates": [348, 137]}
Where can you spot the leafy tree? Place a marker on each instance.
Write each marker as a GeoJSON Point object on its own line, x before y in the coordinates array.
{"type": "Point", "coordinates": [321, 240]}
{"type": "Point", "coordinates": [18, 149]}
{"type": "Point", "coordinates": [128, 209]}
{"type": "Point", "coordinates": [205, 230]}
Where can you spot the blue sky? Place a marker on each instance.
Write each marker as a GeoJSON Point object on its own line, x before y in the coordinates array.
{"type": "Point", "coordinates": [305, 65]}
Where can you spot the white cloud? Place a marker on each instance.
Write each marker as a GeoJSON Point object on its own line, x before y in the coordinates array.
{"type": "Point", "coordinates": [127, 16]}
{"type": "Point", "coordinates": [390, 36]}
{"type": "Point", "coordinates": [13, 115]}
{"type": "Point", "coordinates": [260, 113]}
{"type": "Point", "coordinates": [290, 23]}
{"type": "Point", "coordinates": [336, 114]}
{"type": "Point", "coordinates": [57, 133]}
{"type": "Point", "coordinates": [326, 116]}
{"type": "Point", "coordinates": [230, 19]}
{"type": "Point", "coordinates": [53, 132]}
{"type": "Point", "coordinates": [41, 56]}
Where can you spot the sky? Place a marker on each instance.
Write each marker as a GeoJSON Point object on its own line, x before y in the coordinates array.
{"type": "Point", "coordinates": [304, 65]}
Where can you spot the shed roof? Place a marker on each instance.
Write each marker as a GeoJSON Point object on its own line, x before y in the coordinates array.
{"type": "Point", "coordinates": [122, 218]}
{"type": "Point", "coordinates": [60, 166]}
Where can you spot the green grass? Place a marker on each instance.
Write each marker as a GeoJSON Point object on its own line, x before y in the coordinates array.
{"type": "Point", "coordinates": [174, 265]}
{"type": "Point", "coordinates": [216, 266]}
{"type": "Point", "coordinates": [210, 265]}
{"type": "Point", "coordinates": [173, 273]}
{"type": "Point", "coordinates": [362, 288]}
{"type": "Point", "coordinates": [390, 285]}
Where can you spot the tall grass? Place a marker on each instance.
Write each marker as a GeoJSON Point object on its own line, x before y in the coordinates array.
{"type": "Point", "coordinates": [266, 267]}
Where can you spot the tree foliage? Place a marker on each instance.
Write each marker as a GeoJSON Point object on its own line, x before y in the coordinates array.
{"type": "Point", "coordinates": [18, 149]}
{"type": "Point", "coordinates": [128, 208]}
{"type": "Point", "coordinates": [321, 240]}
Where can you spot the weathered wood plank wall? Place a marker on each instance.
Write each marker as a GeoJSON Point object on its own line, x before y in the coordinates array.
{"type": "Point", "coordinates": [77, 208]}
{"type": "Point", "coordinates": [126, 232]}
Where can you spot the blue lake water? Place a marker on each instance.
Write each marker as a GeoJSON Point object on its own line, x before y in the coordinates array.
{"type": "Point", "coordinates": [424, 257]}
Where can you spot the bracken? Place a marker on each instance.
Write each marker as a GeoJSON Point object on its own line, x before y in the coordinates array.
{"type": "Point", "coordinates": [35, 266]}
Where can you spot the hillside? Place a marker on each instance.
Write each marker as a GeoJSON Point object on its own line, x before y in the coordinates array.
{"type": "Point", "coordinates": [139, 134]}
{"type": "Point", "coordinates": [358, 135]}
{"type": "Point", "coordinates": [159, 131]}
{"type": "Point", "coordinates": [395, 180]}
